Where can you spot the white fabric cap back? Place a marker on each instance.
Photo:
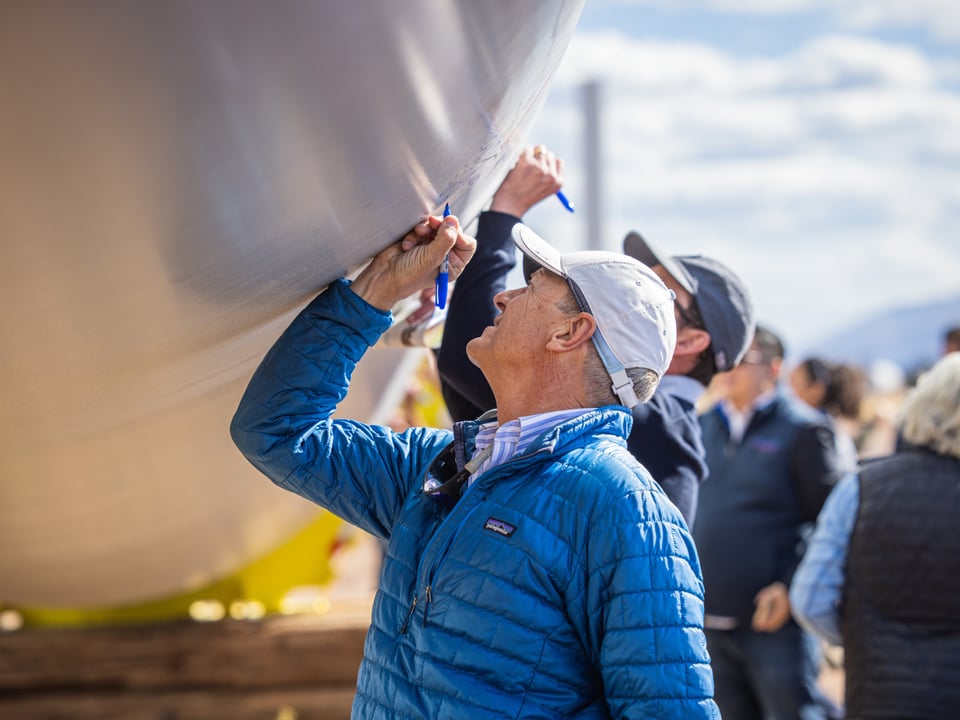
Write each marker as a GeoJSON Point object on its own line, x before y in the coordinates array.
{"type": "Point", "coordinates": [636, 326]}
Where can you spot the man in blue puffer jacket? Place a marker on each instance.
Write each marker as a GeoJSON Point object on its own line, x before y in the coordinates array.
{"type": "Point", "coordinates": [533, 568]}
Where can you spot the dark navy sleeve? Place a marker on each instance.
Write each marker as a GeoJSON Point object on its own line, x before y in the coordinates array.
{"type": "Point", "coordinates": [816, 468]}
{"type": "Point", "coordinates": [666, 439]}
{"type": "Point", "coordinates": [465, 389]}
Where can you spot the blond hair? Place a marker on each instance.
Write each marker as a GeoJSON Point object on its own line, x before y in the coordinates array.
{"type": "Point", "coordinates": [930, 415]}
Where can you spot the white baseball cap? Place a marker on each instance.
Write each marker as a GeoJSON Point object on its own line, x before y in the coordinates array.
{"type": "Point", "coordinates": [636, 326]}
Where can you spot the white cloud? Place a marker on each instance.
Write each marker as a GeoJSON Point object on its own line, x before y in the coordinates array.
{"type": "Point", "coordinates": [833, 60]}
{"type": "Point", "coordinates": [937, 17]}
{"type": "Point", "coordinates": [828, 176]}
{"type": "Point", "coordinates": [653, 65]}
{"type": "Point", "coordinates": [849, 61]}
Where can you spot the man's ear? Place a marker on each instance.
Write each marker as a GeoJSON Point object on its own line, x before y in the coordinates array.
{"type": "Point", "coordinates": [691, 341]}
{"type": "Point", "coordinates": [776, 366]}
{"type": "Point", "coordinates": [574, 332]}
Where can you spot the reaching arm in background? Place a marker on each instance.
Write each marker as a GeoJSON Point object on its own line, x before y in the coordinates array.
{"type": "Point", "coordinates": [817, 586]}
{"type": "Point", "coordinates": [537, 175]}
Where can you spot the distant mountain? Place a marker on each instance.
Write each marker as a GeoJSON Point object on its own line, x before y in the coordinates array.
{"type": "Point", "coordinates": [911, 337]}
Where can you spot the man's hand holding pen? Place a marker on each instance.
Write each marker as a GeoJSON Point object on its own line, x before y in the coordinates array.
{"type": "Point", "coordinates": [410, 265]}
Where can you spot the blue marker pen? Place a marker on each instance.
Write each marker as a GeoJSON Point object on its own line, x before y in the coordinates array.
{"type": "Point", "coordinates": [443, 276]}
{"type": "Point", "coordinates": [563, 201]}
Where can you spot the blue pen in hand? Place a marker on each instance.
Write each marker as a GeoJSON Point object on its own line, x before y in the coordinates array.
{"type": "Point", "coordinates": [443, 277]}
{"type": "Point", "coordinates": [563, 201]}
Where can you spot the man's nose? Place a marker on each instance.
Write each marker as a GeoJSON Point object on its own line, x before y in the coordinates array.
{"type": "Point", "coordinates": [502, 298]}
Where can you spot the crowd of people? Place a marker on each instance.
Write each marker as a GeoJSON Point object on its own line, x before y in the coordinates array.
{"type": "Point", "coordinates": [592, 538]}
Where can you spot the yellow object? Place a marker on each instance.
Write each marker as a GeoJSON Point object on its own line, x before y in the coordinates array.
{"type": "Point", "coordinates": [251, 592]}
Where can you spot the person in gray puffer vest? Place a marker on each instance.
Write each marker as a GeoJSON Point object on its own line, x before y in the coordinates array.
{"type": "Point", "coordinates": [882, 571]}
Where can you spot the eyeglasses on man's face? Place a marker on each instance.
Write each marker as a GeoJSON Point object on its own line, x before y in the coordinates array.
{"type": "Point", "coordinates": [753, 356]}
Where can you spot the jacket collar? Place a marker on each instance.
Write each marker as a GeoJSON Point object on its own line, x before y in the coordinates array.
{"type": "Point", "coordinates": [610, 420]}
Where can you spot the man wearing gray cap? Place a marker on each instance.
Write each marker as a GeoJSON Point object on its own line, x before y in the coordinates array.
{"type": "Point", "coordinates": [533, 568]}
{"type": "Point", "coordinates": [714, 316]}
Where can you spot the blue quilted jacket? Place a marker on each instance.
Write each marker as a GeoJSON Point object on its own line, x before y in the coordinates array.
{"type": "Point", "coordinates": [562, 584]}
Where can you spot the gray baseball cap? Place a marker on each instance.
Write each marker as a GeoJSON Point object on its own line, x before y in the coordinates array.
{"type": "Point", "coordinates": [633, 309]}
{"type": "Point", "coordinates": [722, 298]}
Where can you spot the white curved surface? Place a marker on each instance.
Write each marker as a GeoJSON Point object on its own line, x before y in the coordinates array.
{"type": "Point", "coordinates": [178, 178]}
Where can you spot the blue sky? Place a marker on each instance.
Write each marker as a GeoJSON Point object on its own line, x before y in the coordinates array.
{"type": "Point", "coordinates": [812, 145]}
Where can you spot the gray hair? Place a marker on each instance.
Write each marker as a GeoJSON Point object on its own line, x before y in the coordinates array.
{"type": "Point", "coordinates": [930, 415]}
{"type": "Point", "coordinates": [598, 380]}
{"type": "Point", "coordinates": [644, 382]}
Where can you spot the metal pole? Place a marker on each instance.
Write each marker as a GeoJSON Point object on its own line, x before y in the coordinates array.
{"type": "Point", "coordinates": [593, 160]}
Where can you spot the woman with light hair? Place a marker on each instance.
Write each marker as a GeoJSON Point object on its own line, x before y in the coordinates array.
{"type": "Point", "coordinates": [881, 575]}
{"type": "Point", "coordinates": [931, 413]}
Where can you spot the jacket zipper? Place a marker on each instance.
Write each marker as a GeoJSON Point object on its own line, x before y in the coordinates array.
{"type": "Point", "coordinates": [427, 597]}
{"type": "Point", "coordinates": [428, 589]}
{"type": "Point", "coordinates": [441, 554]}
{"type": "Point", "coordinates": [406, 622]}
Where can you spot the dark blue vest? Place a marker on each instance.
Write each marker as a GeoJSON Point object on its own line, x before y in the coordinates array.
{"type": "Point", "coordinates": [756, 503]}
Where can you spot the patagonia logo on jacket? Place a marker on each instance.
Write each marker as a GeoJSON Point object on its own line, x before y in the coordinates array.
{"type": "Point", "coordinates": [766, 445]}
{"type": "Point", "coordinates": [499, 526]}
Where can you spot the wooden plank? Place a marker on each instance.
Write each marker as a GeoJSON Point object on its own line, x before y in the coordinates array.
{"type": "Point", "coordinates": [296, 651]}
{"type": "Point", "coordinates": [289, 704]}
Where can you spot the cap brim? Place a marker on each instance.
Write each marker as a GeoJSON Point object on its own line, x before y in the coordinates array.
{"type": "Point", "coordinates": [538, 250]}
{"type": "Point", "coordinates": [636, 247]}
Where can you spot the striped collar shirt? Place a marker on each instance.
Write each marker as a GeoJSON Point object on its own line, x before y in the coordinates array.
{"type": "Point", "coordinates": [514, 437]}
